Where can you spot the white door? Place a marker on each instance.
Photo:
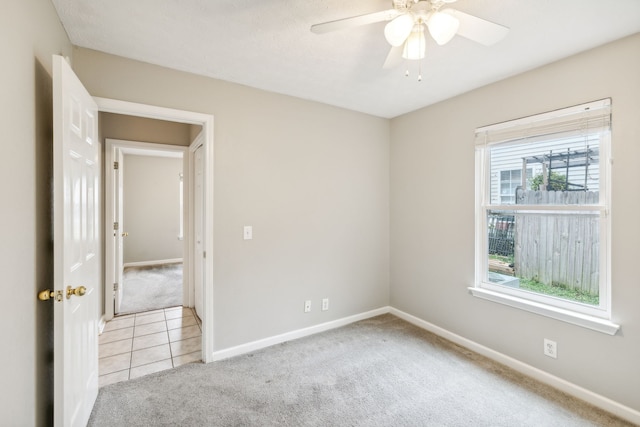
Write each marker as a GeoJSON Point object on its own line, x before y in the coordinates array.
{"type": "Point", "coordinates": [77, 243]}
{"type": "Point", "coordinates": [119, 233]}
{"type": "Point", "coordinates": [198, 228]}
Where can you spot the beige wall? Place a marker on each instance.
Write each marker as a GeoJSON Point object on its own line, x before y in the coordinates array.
{"type": "Point", "coordinates": [30, 32]}
{"type": "Point", "coordinates": [131, 128]}
{"type": "Point", "coordinates": [432, 219]}
{"type": "Point", "coordinates": [194, 131]}
{"type": "Point", "coordinates": [311, 179]}
{"type": "Point", "coordinates": [152, 208]}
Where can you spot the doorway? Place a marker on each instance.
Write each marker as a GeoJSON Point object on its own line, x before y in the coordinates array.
{"type": "Point", "coordinates": [191, 257]}
{"type": "Point", "coordinates": [151, 303]}
{"type": "Point", "coordinates": [148, 205]}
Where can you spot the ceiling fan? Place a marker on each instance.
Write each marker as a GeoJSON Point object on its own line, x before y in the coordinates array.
{"type": "Point", "coordinates": [408, 20]}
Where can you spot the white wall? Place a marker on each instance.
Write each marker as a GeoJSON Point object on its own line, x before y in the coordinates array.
{"type": "Point", "coordinates": [30, 32]}
{"type": "Point", "coordinates": [311, 179]}
{"type": "Point", "coordinates": [151, 208]}
{"type": "Point", "coordinates": [432, 219]}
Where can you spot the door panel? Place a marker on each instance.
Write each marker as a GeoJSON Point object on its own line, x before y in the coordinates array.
{"type": "Point", "coordinates": [76, 247]}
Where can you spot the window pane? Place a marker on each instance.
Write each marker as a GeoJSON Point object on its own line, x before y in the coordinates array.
{"type": "Point", "coordinates": [554, 254]}
{"type": "Point", "coordinates": [559, 172]}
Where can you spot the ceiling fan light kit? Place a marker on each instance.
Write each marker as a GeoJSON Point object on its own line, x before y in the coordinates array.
{"type": "Point", "coordinates": [398, 29]}
{"type": "Point", "coordinates": [442, 27]}
{"type": "Point", "coordinates": [407, 22]}
{"type": "Point", "coordinates": [414, 47]}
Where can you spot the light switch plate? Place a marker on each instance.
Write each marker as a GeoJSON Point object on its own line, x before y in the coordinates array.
{"type": "Point", "coordinates": [248, 232]}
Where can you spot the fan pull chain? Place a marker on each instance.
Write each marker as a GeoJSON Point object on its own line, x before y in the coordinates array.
{"type": "Point", "coordinates": [406, 73]}
{"type": "Point", "coordinates": [420, 60]}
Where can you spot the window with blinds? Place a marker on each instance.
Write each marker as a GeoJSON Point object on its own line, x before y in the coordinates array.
{"type": "Point", "coordinates": [543, 214]}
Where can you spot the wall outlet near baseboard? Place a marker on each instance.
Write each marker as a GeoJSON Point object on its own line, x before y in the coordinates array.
{"type": "Point", "coordinates": [307, 306]}
{"type": "Point", "coordinates": [550, 348]}
{"type": "Point", "coordinates": [325, 304]}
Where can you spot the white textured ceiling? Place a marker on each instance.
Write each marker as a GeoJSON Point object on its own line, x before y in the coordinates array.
{"type": "Point", "coordinates": [267, 44]}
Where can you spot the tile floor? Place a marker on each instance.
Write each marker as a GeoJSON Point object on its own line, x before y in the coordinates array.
{"type": "Point", "coordinates": [139, 344]}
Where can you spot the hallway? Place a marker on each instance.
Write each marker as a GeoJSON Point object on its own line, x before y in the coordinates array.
{"type": "Point", "coordinates": [139, 344]}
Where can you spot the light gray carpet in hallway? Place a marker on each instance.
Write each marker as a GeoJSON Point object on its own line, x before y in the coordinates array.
{"type": "Point", "coordinates": [151, 288]}
{"type": "Point", "coordinates": [378, 372]}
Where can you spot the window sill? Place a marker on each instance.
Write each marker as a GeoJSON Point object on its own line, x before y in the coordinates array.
{"type": "Point", "coordinates": [590, 322]}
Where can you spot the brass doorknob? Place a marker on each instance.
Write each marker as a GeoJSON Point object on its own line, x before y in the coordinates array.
{"type": "Point", "coordinates": [125, 234]}
{"type": "Point", "coordinates": [79, 291]}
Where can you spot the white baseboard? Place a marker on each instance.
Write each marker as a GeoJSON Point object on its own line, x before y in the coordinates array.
{"type": "Point", "coordinates": [300, 333]}
{"type": "Point", "coordinates": [595, 399]}
{"type": "Point", "coordinates": [149, 263]}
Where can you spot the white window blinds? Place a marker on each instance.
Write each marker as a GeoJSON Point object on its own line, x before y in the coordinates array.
{"type": "Point", "coordinates": [579, 120]}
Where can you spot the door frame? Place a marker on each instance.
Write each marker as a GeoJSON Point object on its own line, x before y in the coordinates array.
{"type": "Point", "coordinates": [112, 147]}
{"type": "Point", "coordinates": [195, 144]}
{"type": "Point", "coordinates": [206, 121]}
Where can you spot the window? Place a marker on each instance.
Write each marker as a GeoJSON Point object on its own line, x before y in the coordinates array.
{"type": "Point", "coordinates": [510, 180]}
{"type": "Point", "coordinates": [542, 242]}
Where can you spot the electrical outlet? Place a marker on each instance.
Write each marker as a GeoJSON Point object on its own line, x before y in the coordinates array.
{"type": "Point", "coordinates": [325, 304]}
{"type": "Point", "coordinates": [550, 348]}
{"type": "Point", "coordinates": [307, 306]}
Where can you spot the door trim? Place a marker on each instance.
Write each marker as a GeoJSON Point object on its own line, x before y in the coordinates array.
{"type": "Point", "coordinates": [206, 121]}
{"type": "Point", "coordinates": [195, 144]}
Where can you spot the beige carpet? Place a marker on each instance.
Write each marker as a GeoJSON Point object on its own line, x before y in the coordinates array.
{"type": "Point", "coordinates": [151, 288]}
{"type": "Point", "coordinates": [378, 372]}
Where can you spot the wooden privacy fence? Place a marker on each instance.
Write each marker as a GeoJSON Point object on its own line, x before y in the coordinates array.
{"type": "Point", "coordinates": [558, 249]}
{"type": "Point", "coordinates": [534, 197]}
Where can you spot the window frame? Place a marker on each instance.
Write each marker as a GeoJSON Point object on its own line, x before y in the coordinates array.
{"type": "Point", "coordinates": [594, 317]}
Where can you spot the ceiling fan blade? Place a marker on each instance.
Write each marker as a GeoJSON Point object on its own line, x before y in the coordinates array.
{"type": "Point", "coordinates": [478, 29]}
{"type": "Point", "coordinates": [354, 21]}
{"type": "Point", "coordinates": [394, 58]}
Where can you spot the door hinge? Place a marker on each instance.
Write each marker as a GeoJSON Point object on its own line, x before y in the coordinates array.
{"type": "Point", "coordinates": [115, 287]}
{"type": "Point", "coordinates": [116, 166]}
{"type": "Point", "coordinates": [204, 254]}
{"type": "Point", "coordinates": [116, 225]}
